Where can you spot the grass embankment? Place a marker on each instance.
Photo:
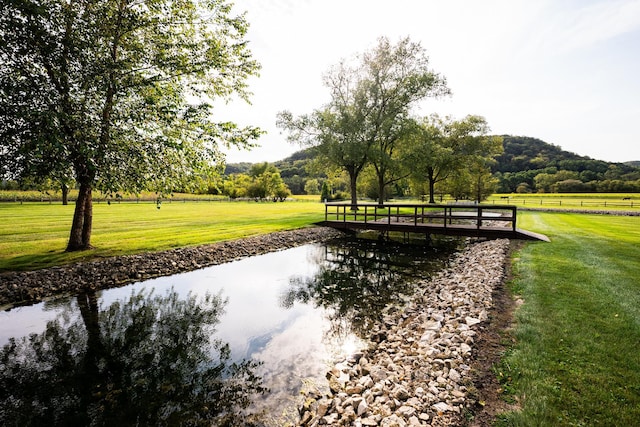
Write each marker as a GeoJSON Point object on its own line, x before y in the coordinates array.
{"type": "Point", "coordinates": [576, 361]}
{"type": "Point", "coordinates": [34, 235]}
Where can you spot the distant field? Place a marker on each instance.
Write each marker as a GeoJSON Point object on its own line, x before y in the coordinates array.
{"type": "Point", "coordinates": [34, 235]}
{"type": "Point", "coordinates": [56, 196]}
{"type": "Point", "coordinates": [586, 201]}
{"type": "Point", "coordinates": [613, 201]}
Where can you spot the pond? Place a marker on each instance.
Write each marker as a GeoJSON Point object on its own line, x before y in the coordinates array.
{"type": "Point", "coordinates": [229, 344]}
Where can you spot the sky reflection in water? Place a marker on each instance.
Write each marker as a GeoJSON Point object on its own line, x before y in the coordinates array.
{"type": "Point", "coordinates": [294, 311]}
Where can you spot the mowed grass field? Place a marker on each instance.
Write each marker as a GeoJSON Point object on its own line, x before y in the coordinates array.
{"type": "Point", "coordinates": [576, 358]}
{"type": "Point", "coordinates": [34, 235]}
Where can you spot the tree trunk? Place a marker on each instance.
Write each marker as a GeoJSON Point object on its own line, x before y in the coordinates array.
{"type": "Point", "coordinates": [79, 238]}
{"type": "Point", "coordinates": [381, 186]}
{"type": "Point", "coordinates": [65, 194]}
{"type": "Point", "coordinates": [87, 224]}
{"type": "Point", "coordinates": [88, 304]}
{"type": "Point", "coordinates": [432, 185]}
{"type": "Point", "coordinates": [353, 180]}
{"type": "Point", "coordinates": [91, 380]}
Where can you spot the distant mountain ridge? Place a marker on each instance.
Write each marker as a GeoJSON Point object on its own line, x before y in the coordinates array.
{"type": "Point", "coordinates": [525, 153]}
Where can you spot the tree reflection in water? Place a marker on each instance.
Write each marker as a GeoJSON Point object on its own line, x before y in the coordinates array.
{"type": "Point", "coordinates": [358, 278]}
{"type": "Point", "coordinates": [149, 360]}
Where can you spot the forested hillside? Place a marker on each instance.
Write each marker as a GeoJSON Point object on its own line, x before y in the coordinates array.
{"type": "Point", "coordinates": [531, 165]}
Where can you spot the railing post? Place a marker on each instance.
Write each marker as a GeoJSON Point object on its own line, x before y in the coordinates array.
{"type": "Point", "coordinates": [479, 220]}
{"type": "Point", "coordinates": [445, 217]}
{"type": "Point", "coordinates": [514, 215]}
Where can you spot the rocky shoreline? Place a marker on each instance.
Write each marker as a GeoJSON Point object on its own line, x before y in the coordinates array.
{"type": "Point", "coordinates": [417, 371]}
{"type": "Point", "coordinates": [34, 286]}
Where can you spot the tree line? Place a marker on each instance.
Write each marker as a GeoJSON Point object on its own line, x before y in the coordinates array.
{"type": "Point", "coordinates": [525, 165]}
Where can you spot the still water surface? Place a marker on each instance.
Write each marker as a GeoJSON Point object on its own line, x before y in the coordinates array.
{"type": "Point", "coordinates": [203, 345]}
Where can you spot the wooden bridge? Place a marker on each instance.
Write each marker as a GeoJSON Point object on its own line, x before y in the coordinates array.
{"type": "Point", "coordinates": [490, 221]}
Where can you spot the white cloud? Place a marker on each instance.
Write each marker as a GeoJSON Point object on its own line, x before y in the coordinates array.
{"type": "Point", "coordinates": [595, 23]}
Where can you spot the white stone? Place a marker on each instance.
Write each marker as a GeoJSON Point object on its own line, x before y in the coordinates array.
{"type": "Point", "coordinates": [406, 411]}
{"type": "Point", "coordinates": [441, 407]}
{"type": "Point", "coordinates": [465, 348]}
{"type": "Point", "coordinates": [393, 421]}
{"type": "Point", "coordinates": [454, 375]}
{"type": "Point", "coordinates": [362, 408]}
{"type": "Point", "coordinates": [471, 321]}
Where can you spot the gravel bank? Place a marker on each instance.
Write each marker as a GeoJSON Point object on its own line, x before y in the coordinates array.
{"type": "Point", "coordinates": [417, 369]}
{"type": "Point", "coordinates": [34, 286]}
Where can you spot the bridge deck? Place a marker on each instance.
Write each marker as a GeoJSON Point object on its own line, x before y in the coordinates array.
{"type": "Point", "coordinates": [490, 221]}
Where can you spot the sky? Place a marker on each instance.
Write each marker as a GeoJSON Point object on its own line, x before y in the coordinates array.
{"type": "Point", "coordinates": [563, 71]}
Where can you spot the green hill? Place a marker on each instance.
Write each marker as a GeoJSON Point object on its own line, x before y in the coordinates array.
{"type": "Point", "coordinates": [530, 164]}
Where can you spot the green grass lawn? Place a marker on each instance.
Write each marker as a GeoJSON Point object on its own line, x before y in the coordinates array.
{"type": "Point", "coordinates": [576, 361]}
{"type": "Point", "coordinates": [34, 235]}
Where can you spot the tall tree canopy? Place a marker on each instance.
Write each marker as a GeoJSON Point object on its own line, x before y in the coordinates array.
{"type": "Point", "coordinates": [335, 129]}
{"type": "Point", "coordinates": [440, 148]}
{"type": "Point", "coordinates": [118, 93]}
{"type": "Point", "coordinates": [395, 78]}
{"type": "Point", "coordinates": [371, 98]}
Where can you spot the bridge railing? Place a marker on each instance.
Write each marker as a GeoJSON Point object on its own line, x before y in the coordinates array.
{"type": "Point", "coordinates": [444, 215]}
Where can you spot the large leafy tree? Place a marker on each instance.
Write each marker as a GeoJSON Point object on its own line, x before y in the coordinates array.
{"type": "Point", "coordinates": [118, 92]}
{"type": "Point", "coordinates": [371, 99]}
{"type": "Point", "coordinates": [395, 78]}
{"type": "Point", "coordinates": [441, 147]}
{"type": "Point", "coordinates": [334, 130]}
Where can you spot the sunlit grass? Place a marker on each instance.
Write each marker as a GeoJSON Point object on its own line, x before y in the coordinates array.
{"type": "Point", "coordinates": [34, 235]}
{"type": "Point", "coordinates": [576, 361]}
